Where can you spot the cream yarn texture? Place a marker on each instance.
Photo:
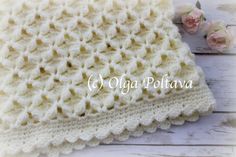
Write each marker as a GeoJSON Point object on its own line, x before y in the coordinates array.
{"type": "Point", "coordinates": [50, 48]}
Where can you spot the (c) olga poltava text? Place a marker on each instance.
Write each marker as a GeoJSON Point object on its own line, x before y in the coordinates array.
{"type": "Point", "coordinates": [125, 84]}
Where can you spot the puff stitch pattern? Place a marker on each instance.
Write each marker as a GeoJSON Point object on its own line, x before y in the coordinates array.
{"type": "Point", "coordinates": [50, 48]}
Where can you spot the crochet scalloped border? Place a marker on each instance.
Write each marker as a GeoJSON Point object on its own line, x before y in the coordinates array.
{"type": "Point", "coordinates": [97, 128]}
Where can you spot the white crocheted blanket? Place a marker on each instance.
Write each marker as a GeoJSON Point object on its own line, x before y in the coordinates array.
{"type": "Point", "coordinates": [52, 52]}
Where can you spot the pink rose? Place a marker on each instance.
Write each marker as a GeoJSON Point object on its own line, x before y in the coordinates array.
{"type": "Point", "coordinates": [220, 40]}
{"type": "Point", "coordinates": [192, 20]}
{"type": "Point", "coordinates": [219, 37]}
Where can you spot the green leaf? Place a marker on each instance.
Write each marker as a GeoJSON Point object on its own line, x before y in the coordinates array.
{"type": "Point", "coordinates": [198, 5]}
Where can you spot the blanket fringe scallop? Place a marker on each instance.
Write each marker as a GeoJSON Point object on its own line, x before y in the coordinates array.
{"type": "Point", "coordinates": [64, 144]}
{"type": "Point", "coordinates": [67, 147]}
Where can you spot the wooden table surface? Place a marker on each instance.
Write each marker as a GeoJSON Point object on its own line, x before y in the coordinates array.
{"type": "Point", "coordinates": [211, 136]}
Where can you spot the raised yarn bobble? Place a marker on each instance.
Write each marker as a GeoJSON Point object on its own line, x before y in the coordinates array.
{"type": "Point", "coordinates": [50, 48]}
